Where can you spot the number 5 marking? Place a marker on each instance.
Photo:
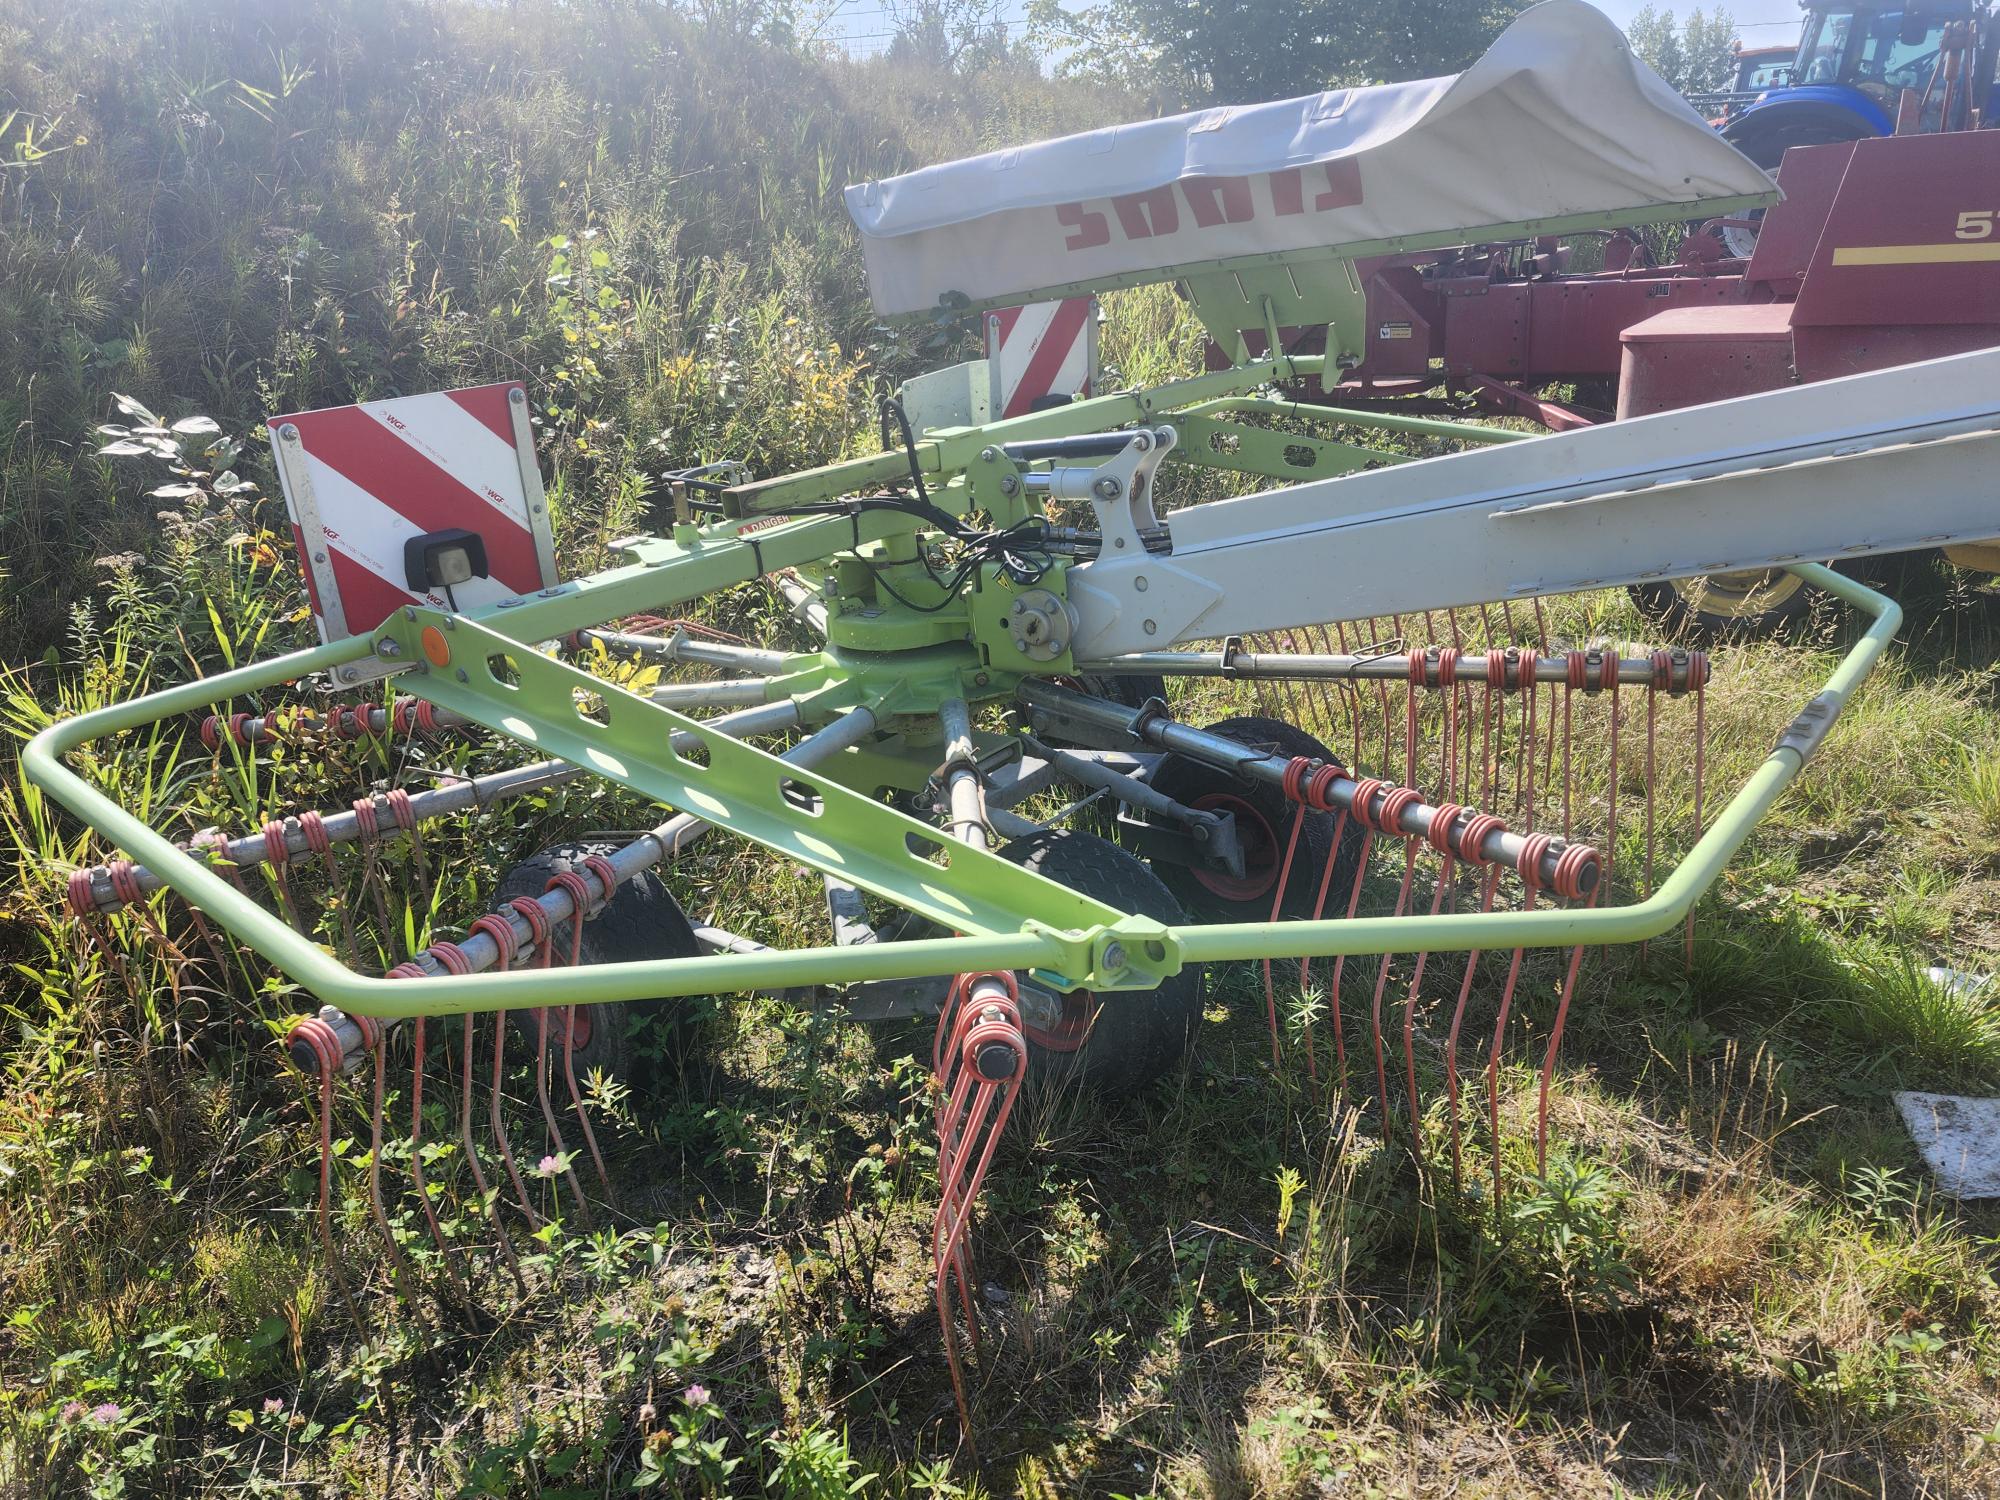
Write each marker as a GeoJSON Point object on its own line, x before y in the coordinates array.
{"type": "Point", "coordinates": [1976, 224]}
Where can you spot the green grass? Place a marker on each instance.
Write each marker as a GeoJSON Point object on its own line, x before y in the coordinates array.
{"type": "Point", "coordinates": [1734, 1279]}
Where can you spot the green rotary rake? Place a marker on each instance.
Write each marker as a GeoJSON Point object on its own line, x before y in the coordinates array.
{"type": "Point", "coordinates": [1429, 802]}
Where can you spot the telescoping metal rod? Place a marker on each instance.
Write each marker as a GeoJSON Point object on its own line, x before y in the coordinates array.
{"type": "Point", "coordinates": [961, 779]}
{"type": "Point", "coordinates": [680, 646]}
{"type": "Point", "coordinates": [1390, 666]}
{"type": "Point", "coordinates": [737, 692]}
{"type": "Point", "coordinates": [1215, 832]}
{"type": "Point", "coordinates": [663, 843]}
{"type": "Point", "coordinates": [806, 605]}
{"type": "Point", "coordinates": [482, 791]}
{"type": "Point", "coordinates": [1155, 728]}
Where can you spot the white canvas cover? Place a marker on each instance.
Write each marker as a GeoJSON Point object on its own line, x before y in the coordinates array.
{"type": "Point", "coordinates": [1558, 118]}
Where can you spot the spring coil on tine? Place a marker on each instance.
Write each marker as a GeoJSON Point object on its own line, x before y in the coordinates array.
{"type": "Point", "coordinates": [319, 1039]}
{"type": "Point", "coordinates": [607, 878]}
{"type": "Point", "coordinates": [577, 887]}
{"type": "Point", "coordinates": [982, 1054]}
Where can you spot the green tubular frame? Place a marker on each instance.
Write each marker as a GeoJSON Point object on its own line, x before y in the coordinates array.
{"type": "Point", "coordinates": [1066, 958]}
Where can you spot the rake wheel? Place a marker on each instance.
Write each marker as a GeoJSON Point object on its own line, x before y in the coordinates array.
{"type": "Point", "coordinates": [1263, 823]}
{"type": "Point", "coordinates": [1117, 1046]}
{"type": "Point", "coordinates": [642, 920]}
{"type": "Point", "coordinates": [1748, 605]}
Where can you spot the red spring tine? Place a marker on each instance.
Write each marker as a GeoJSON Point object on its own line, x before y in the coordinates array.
{"type": "Point", "coordinates": [1490, 885]}
{"type": "Point", "coordinates": [1353, 692]}
{"type": "Point", "coordinates": [1447, 676]}
{"type": "Point", "coordinates": [1317, 638]}
{"type": "Point", "coordinates": [82, 894]}
{"type": "Point", "coordinates": [947, 1061]}
{"type": "Point", "coordinates": [1315, 791]}
{"type": "Point", "coordinates": [399, 1267]}
{"type": "Point", "coordinates": [1698, 675]}
{"type": "Point", "coordinates": [1439, 837]}
{"type": "Point", "coordinates": [1529, 688]}
{"type": "Point", "coordinates": [540, 934]}
{"type": "Point", "coordinates": [1387, 819]}
{"type": "Point", "coordinates": [1416, 680]}
{"type": "Point", "coordinates": [1608, 680]}
{"type": "Point", "coordinates": [1277, 910]}
{"type": "Point", "coordinates": [977, 1112]}
{"type": "Point", "coordinates": [368, 833]}
{"type": "Point", "coordinates": [278, 853]}
{"type": "Point", "coordinates": [325, 1047]}
{"type": "Point", "coordinates": [1549, 1059]}
{"type": "Point", "coordinates": [487, 1202]}
{"type": "Point", "coordinates": [1575, 681]}
{"type": "Point", "coordinates": [398, 803]}
{"type": "Point", "coordinates": [1528, 865]}
{"type": "Point", "coordinates": [417, 1139]}
{"type": "Point", "coordinates": [1496, 699]}
{"type": "Point", "coordinates": [608, 878]}
{"type": "Point", "coordinates": [1663, 668]}
{"type": "Point", "coordinates": [498, 1126]}
{"type": "Point", "coordinates": [956, 1018]}
{"type": "Point", "coordinates": [1382, 700]}
{"type": "Point", "coordinates": [1443, 884]}
{"type": "Point", "coordinates": [1353, 904]}
{"type": "Point", "coordinates": [319, 842]}
{"type": "Point", "coordinates": [577, 886]}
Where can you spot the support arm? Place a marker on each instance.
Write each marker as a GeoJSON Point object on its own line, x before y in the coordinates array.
{"type": "Point", "coordinates": [1881, 462]}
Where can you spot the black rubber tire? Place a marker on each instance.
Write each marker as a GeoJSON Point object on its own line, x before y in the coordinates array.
{"type": "Point", "coordinates": [1765, 140]}
{"type": "Point", "coordinates": [641, 921]}
{"type": "Point", "coordinates": [1671, 605]}
{"type": "Point", "coordinates": [1134, 1036]}
{"type": "Point", "coordinates": [1264, 835]}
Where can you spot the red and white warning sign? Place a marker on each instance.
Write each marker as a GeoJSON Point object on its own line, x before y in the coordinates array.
{"type": "Point", "coordinates": [1044, 352]}
{"type": "Point", "coordinates": [360, 481]}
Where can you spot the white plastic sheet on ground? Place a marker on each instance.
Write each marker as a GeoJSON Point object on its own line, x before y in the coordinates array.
{"type": "Point", "coordinates": [1959, 1138]}
{"type": "Point", "coordinates": [1558, 118]}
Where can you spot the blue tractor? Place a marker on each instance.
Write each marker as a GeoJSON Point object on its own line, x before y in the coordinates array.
{"type": "Point", "coordinates": [1876, 67]}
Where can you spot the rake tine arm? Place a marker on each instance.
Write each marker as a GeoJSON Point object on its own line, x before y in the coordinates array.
{"type": "Point", "coordinates": [458, 796]}
{"type": "Point", "coordinates": [408, 716]}
{"type": "Point", "coordinates": [1234, 663]}
{"type": "Point", "coordinates": [1412, 817]}
{"type": "Point", "coordinates": [662, 843]}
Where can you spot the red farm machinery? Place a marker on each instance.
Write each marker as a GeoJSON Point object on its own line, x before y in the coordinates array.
{"type": "Point", "coordinates": [1884, 249]}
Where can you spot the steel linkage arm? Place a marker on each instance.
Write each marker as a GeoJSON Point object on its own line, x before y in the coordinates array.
{"type": "Point", "coordinates": [1570, 869]}
{"type": "Point", "coordinates": [1763, 481]}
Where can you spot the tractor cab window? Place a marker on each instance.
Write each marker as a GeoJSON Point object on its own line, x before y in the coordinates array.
{"type": "Point", "coordinates": [1764, 75]}
{"type": "Point", "coordinates": [1823, 48]}
{"type": "Point", "coordinates": [1889, 57]}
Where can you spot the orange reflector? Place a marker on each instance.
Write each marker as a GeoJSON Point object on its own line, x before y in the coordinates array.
{"type": "Point", "coordinates": [435, 646]}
